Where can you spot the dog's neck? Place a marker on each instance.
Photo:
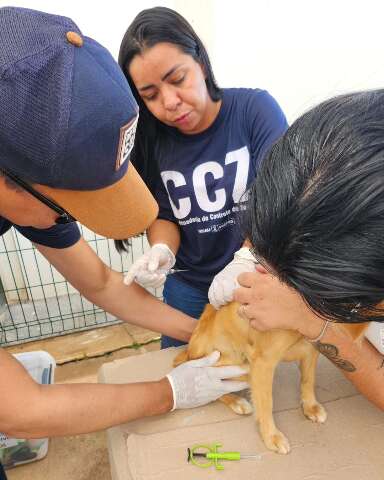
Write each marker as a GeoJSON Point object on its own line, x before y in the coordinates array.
{"type": "Point", "coordinates": [242, 324]}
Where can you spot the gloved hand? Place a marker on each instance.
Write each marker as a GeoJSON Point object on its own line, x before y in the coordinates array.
{"type": "Point", "coordinates": [150, 269]}
{"type": "Point", "coordinates": [198, 382]}
{"type": "Point", "coordinates": [225, 282]}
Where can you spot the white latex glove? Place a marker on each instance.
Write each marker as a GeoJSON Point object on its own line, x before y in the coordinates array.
{"type": "Point", "coordinates": [198, 382]}
{"type": "Point", "coordinates": [150, 269]}
{"type": "Point", "coordinates": [225, 282]}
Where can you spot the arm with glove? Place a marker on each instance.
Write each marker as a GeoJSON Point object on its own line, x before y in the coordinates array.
{"type": "Point", "coordinates": [225, 282]}
{"type": "Point", "coordinates": [198, 382]}
{"type": "Point", "coordinates": [72, 409]}
{"type": "Point", "coordinates": [150, 269]}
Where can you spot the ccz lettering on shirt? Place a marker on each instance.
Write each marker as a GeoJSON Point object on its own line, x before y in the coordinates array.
{"type": "Point", "coordinates": [208, 198]}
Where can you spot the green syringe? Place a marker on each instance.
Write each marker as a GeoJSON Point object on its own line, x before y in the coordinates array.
{"type": "Point", "coordinates": [213, 456]}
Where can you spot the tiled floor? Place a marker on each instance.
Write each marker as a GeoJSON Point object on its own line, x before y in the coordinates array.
{"type": "Point", "coordinates": [82, 457]}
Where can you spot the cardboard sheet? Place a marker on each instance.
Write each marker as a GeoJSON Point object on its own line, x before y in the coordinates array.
{"type": "Point", "coordinates": [349, 446]}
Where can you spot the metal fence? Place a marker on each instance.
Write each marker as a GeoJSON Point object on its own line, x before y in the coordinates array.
{"type": "Point", "coordinates": [35, 300]}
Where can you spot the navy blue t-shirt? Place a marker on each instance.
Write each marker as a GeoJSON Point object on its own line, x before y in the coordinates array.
{"type": "Point", "coordinates": [204, 178]}
{"type": "Point", "coordinates": [58, 236]}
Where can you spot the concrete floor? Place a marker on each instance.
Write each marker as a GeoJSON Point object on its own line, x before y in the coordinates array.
{"type": "Point", "coordinates": [82, 457]}
{"type": "Point", "coordinates": [50, 316]}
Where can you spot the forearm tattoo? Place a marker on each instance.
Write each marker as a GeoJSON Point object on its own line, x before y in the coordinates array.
{"type": "Point", "coordinates": [332, 353]}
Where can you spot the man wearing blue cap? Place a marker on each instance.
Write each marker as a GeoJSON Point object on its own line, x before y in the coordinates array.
{"type": "Point", "coordinates": [67, 127]}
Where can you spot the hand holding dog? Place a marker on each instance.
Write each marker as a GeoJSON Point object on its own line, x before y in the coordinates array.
{"type": "Point", "coordinates": [198, 382]}
{"type": "Point", "coordinates": [268, 304]}
{"type": "Point", "coordinates": [225, 282]}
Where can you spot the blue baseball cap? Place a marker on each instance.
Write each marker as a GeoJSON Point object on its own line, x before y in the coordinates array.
{"type": "Point", "coordinates": [67, 122]}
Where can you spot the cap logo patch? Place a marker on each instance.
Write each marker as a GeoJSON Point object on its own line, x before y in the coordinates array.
{"type": "Point", "coordinates": [126, 142]}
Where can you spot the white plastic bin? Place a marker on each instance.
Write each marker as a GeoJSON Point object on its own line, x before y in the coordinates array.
{"type": "Point", "coordinates": [40, 365]}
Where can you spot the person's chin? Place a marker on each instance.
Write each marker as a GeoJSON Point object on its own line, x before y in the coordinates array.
{"type": "Point", "coordinates": [187, 124]}
{"type": "Point", "coordinates": [189, 128]}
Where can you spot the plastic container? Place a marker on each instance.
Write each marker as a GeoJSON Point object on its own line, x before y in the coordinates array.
{"type": "Point", "coordinates": [40, 365]}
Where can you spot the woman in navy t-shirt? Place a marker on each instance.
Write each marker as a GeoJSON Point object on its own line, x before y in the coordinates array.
{"type": "Point", "coordinates": [198, 148]}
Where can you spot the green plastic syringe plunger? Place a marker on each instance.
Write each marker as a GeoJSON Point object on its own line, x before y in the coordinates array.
{"type": "Point", "coordinates": [212, 455]}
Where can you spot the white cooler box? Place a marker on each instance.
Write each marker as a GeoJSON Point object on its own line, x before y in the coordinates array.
{"type": "Point", "coordinates": [40, 366]}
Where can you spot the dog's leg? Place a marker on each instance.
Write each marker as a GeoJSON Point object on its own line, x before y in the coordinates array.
{"type": "Point", "coordinates": [238, 404]}
{"type": "Point", "coordinates": [262, 371]}
{"type": "Point", "coordinates": [311, 407]}
{"type": "Point", "coordinates": [181, 357]}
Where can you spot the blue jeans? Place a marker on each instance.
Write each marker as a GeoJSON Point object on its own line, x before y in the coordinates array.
{"type": "Point", "coordinates": [185, 298]}
{"type": "Point", "coordinates": [2, 473]}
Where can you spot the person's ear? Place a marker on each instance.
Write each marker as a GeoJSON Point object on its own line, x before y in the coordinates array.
{"type": "Point", "coordinates": [7, 184]}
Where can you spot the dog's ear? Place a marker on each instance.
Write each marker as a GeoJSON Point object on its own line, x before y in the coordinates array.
{"type": "Point", "coordinates": [355, 330]}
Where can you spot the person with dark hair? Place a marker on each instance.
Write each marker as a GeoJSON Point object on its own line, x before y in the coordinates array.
{"type": "Point", "coordinates": [315, 220]}
{"type": "Point", "coordinates": [67, 128]}
{"type": "Point", "coordinates": [197, 147]}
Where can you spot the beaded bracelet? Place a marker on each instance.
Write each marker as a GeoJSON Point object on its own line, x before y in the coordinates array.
{"type": "Point", "coordinates": [321, 334]}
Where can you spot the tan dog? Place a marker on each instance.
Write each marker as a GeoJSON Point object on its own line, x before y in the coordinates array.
{"type": "Point", "coordinates": [239, 344]}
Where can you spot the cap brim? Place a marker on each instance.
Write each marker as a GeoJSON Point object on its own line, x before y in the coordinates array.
{"type": "Point", "coordinates": [118, 211]}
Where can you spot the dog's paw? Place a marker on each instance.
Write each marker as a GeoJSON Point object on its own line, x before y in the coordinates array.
{"type": "Point", "coordinates": [277, 442]}
{"type": "Point", "coordinates": [315, 412]}
{"type": "Point", "coordinates": [241, 406]}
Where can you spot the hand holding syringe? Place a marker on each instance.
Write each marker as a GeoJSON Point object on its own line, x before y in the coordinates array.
{"type": "Point", "coordinates": [152, 268]}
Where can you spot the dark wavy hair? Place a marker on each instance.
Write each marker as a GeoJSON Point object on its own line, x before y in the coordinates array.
{"type": "Point", "coordinates": [316, 209]}
{"type": "Point", "coordinates": [150, 27]}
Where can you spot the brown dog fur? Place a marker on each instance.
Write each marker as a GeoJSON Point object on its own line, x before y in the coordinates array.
{"type": "Point", "coordinates": [239, 344]}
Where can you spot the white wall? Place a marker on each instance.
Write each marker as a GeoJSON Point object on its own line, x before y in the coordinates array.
{"type": "Point", "coordinates": [302, 51]}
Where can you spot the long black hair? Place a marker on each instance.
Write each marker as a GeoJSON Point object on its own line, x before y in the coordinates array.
{"type": "Point", "coordinates": [150, 27]}
{"type": "Point", "coordinates": [316, 208]}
